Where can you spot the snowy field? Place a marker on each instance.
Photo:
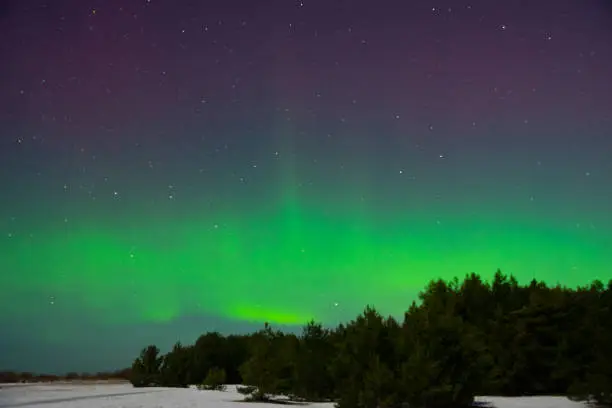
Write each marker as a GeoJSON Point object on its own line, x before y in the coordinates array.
{"type": "Point", "coordinates": [124, 396]}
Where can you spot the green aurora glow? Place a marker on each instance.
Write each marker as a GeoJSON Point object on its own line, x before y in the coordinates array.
{"type": "Point", "coordinates": [291, 263]}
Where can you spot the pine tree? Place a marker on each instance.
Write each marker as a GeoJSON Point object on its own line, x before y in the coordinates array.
{"type": "Point", "coordinates": [208, 352]}
{"type": "Point", "coordinates": [215, 380]}
{"type": "Point", "coordinates": [146, 369]}
{"type": "Point", "coordinates": [597, 385]}
{"type": "Point", "coordinates": [266, 369]}
{"type": "Point", "coordinates": [311, 374]}
{"type": "Point", "coordinates": [464, 338]}
{"type": "Point", "coordinates": [447, 359]}
{"type": "Point", "coordinates": [364, 365]}
{"type": "Point", "coordinates": [176, 366]}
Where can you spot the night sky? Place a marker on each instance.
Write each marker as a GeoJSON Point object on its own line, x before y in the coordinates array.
{"type": "Point", "coordinates": [174, 167]}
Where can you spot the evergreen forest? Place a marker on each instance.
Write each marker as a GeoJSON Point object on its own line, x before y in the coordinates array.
{"type": "Point", "coordinates": [459, 340]}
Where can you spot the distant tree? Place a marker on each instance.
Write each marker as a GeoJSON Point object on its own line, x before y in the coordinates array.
{"type": "Point", "coordinates": [124, 373]}
{"type": "Point", "coordinates": [7, 377]}
{"type": "Point", "coordinates": [27, 377]}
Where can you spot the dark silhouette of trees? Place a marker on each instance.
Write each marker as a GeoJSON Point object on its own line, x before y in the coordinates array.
{"type": "Point", "coordinates": [364, 361]}
{"type": "Point", "coordinates": [312, 378]}
{"type": "Point", "coordinates": [176, 366]}
{"type": "Point", "coordinates": [461, 339]}
{"type": "Point", "coordinates": [447, 359]}
{"type": "Point", "coordinates": [270, 365]}
{"type": "Point", "coordinates": [146, 369]}
{"type": "Point", "coordinates": [26, 377]}
{"type": "Point", "coordinates": [10, 377]}
{"type": "Point", "coordinates": [214, 350]}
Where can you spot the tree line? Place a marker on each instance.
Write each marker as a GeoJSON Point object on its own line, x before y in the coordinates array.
{"type": "Point", "coordinates": [462, 338]}
{"type": "Point", "coordinates": [12, 377]}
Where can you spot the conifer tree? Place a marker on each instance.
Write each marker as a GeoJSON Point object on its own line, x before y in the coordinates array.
{"type": "Point", "coordinates": [446, 358]}
{"type": "Point", "coordinates": [176, 366]}
{"type": "Point", "coordinates": [364, 365]}
{"type": "Point", "coordinates": [215, 380]}
{"type": "Point", "coordinates": [265, 369]}
{"type": "Point", "coordinates": [312, 355]}
{"type": "Point", "coordinates": [461, 339]}
{"type": "Point", "coordinates": [146, 368]}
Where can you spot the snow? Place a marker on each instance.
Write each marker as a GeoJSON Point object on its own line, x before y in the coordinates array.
{"type": "Point", "coordinates": [66, 395]}
{"type": "Point", "coordinates": [529, 402]}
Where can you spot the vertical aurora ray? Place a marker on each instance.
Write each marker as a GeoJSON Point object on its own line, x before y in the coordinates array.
{"type": "Point", "coordinates": [290, 206]}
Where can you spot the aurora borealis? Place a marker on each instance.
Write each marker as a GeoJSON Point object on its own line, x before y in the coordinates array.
{"type": "Point", "coordinates": [170, 168]}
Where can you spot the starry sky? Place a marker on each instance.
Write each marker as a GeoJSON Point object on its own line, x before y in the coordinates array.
{"type": "Point", "coordinates": [174, 167]}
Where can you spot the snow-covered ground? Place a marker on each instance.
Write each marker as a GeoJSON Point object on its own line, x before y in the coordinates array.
{"type": "Point", "coordinates": [125, 396]}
